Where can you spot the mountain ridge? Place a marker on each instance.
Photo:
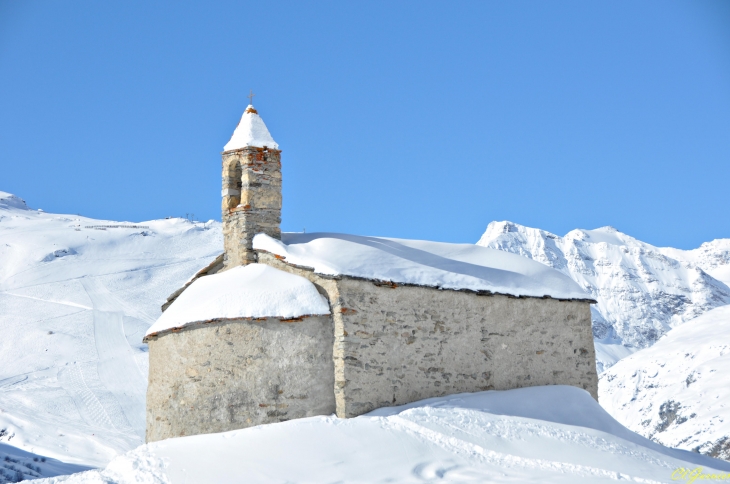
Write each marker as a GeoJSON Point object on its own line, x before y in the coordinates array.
{"type": "Point", "coordinates": [642, 291]}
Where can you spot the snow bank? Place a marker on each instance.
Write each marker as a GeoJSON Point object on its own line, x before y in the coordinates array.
{"type": "Point", "coordinates": [677, 391]}
{"type": "Point", "coordinates": [252, 291]}
{"type": "Point", "coordinates": [436, 264]}
{"type": "Point", "coordinates": [251, 131]}
{"type": "Point", "coordinates": [555, 434]}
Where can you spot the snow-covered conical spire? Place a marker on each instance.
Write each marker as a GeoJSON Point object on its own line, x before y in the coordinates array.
{"type": "Point", "coordinates": [251, 188]}
{"type": "Point", "coordinates": [251, 131]}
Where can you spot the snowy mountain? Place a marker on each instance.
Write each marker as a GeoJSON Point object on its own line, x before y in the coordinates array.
{"type": "Point", "coordinates": [712, 257]}
{"type": "Point", "coordinates": [678, 391]}
{"type": "Point", "coordinates": [540, 434]}
{"type": "Point", "coordinates": [76, 297]}
{"type": "Point", "coordinates": [642, 291]}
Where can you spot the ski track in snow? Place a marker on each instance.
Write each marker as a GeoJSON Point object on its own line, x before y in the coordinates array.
{"type": "Point", "coordinates": [116, 366]}
{"type": "Point", "coordinates": [88, 405]}
{"type": "Point", "coordinates": [65, 303]}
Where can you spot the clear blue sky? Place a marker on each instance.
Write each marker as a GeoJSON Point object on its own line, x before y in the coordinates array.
{"type": "Point", "coordinates": [404, 119]}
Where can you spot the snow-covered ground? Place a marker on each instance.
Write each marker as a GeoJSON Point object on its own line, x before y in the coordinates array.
{"type": "Point", "coordinates": [540, 434]}
{"type": "Point", "coordinates": [642, 291]}
{"type": "Point", "coordinates": [75, 303]}
{"type": "Point", "coordinates": [678, 391]}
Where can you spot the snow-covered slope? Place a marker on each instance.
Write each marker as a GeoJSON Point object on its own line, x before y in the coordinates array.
{"type": "Point", "coordinates": [678, 391]}
{"type": "Point", "coordinates": [539, 434]}
{"type": "Point", "coordinates": [712, 257]}
{"type": "Point", "coordinates": [642, 291]}
{"type": "Point", "coordinates": [74, 305]}
{"type": "Point", "coordinates": [17, 465]}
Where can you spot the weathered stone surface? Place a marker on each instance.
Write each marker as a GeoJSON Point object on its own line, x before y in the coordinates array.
{"type": "Point", "coordinates": [404, 344]}
{"type": "Point", "coordinates": [398, 344]}
{"type": "Point", "coordinates": [251, 201]}
{"type": "Point", "coordinates": [230, 375]}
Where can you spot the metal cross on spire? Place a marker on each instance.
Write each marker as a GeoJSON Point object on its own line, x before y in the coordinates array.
{"type": "Point", "coordinates": [250, 97]}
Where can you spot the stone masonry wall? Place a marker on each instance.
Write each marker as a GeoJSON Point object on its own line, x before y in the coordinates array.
{"type": "Point", "coordinates": [251, 201]}
{"type": "Point", "coordinates": [398, 344]}
{"type": "Point", "coordinates": [402, 344]}
{"type": "Point", "coordinates": [224, 376]}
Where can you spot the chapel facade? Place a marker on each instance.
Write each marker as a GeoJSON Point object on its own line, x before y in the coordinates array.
{"type": "Point", "coordinates": [393, 323]}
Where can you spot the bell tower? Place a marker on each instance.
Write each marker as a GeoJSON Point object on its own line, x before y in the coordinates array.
{"type": "Point", "coordinates": [251, 188]}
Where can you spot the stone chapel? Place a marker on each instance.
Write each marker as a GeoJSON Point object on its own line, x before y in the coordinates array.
{"type": "Point", "coordinates": [292, 325]}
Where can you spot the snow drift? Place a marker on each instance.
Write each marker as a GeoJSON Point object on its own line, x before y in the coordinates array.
{"type": "Point", "coordinates": [538, 434]}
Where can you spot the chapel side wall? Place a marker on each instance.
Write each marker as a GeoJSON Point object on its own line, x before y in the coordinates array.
{"type": "Point", "coordinates": [224, 376]}
{"type": "Point", "coordinates": [407, 343]}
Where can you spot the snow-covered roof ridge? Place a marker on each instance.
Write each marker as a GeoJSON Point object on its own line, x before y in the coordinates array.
{"type": "Point", "coordinates": [252, 291]}
{"type": "Point", "coordinates": [251, 131]}
{"type": "Point", "coordinates": [422, 263]}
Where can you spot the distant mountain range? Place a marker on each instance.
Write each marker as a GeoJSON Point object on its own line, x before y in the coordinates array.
{"type": "Point", "coordinates": [642, 291]}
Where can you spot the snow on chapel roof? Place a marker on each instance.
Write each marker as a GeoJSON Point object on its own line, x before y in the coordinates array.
{"type": "Point", "coordinates": [252, 291]}
{"type": "Point", "coordinates": [435, 264]}
{"type": "Point", "coordinates": [251, 131]}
